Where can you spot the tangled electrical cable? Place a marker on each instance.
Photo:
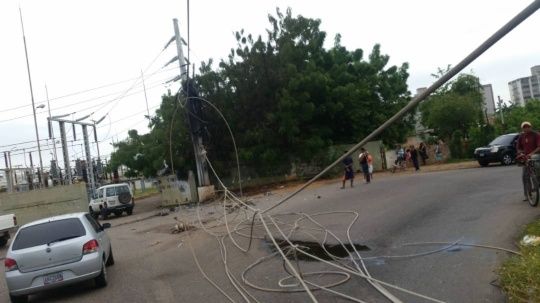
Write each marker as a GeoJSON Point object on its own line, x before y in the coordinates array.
{"type": "Point", "coordinates": [296, 280]}
{"type": "Point", "coordinates": [257, 218]}
{"type": "Point", "coordinates": [347, 267]}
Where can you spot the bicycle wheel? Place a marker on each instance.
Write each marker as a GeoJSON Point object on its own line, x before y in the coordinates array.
{"type": "Point", "coordinates": [533, 192]}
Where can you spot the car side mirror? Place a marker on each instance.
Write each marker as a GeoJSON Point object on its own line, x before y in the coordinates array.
{"type": "Point", "coordinates": [105, 225]}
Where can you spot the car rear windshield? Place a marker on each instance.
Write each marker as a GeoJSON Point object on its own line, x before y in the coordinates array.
{"type": "Point", "coordinates": [122, 189]}
{"type": "Point", "coordinates": [503, 140]}
{"type": "Point", "coordinates": [49, 232]}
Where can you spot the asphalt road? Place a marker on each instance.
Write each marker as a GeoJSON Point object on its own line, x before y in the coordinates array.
{"type": "Point", "coordinates": [477, 206]}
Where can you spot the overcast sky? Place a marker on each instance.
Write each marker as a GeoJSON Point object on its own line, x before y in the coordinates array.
{"type": "Point", "coordinates": [75, 46]}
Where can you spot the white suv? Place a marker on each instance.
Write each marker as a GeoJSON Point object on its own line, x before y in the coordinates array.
{"type": "Point", "coordinates": [114, 198]}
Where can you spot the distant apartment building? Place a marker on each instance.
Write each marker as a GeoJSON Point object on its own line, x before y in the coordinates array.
{"type": "Point", "coordinates": [526, 88]}
{"type": "Point", "coordinates": [489, 101]}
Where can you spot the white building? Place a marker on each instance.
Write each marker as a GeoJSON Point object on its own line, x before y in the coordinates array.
{"type": "Point", "coordinates": [489, 101]}
{"type": "Point", "coordinates": [526, 88]}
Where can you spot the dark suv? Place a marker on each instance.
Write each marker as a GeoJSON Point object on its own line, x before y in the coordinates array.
{"type": "Point", "coordinates": [502, 149]}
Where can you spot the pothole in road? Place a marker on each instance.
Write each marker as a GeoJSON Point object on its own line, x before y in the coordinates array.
{"type": "Point", "coordinates": [324, 251]}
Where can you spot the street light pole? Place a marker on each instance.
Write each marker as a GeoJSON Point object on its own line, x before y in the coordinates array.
{"type": "Point", "coordinates": [32, 96]}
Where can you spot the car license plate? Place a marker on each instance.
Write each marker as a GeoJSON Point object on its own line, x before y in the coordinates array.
{"type": "Point", "coordinates": [53, 278]}
{"type": "Point", "coordinates": [482, 154]}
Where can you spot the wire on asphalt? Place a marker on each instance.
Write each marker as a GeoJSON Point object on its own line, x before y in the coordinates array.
{"type": "Point", "coordinates": [263, 216]}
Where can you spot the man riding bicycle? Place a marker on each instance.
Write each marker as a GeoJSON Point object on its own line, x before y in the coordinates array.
{"type": "Point", "coordinates": [528, 145]}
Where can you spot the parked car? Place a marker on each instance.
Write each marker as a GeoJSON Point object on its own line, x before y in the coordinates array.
{"type": "Point", "coordinates": [8, 223]}
{"type": "Point", "coordinates": [502, 149]}
{"type": "Point", "coordinates": [55, 252]}
{"type": "Point", "coordinates": [114, 198]}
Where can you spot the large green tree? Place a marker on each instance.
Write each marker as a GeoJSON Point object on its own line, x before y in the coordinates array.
{"type": "Point", "coordinates": [514, 114]}
{"type": "Point", "coordinates": [167, 142]}
{"type": "Point", "coordinates": [287, 99]}
{"type": "Point", "coordinates": [456, 107]}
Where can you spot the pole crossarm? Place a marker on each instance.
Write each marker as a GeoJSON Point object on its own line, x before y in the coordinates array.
{"type": "Point", "coordinates": [70, 121]}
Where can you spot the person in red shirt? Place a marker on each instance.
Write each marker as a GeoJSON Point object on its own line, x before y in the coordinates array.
{"type": "Point", "coordinates": [528, 144]}
{"type": "Point", "coordinates": [529, 141]}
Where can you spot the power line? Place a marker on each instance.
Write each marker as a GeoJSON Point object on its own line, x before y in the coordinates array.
{"type": "Point", "coordinates": [127, 117]}
{"type": "Point", "coordinates": [152, 86]}
{"type": "Point", "coordinates": [78, 134]}
{"type": "Point", "coordinates": [68, 95]}
{"type": "Point", "coordinates": [26, 142]}
{"type": "Point", "coordinates": [134, 83]}
{"type": "Point", "coordinates": [82, 91]}
{"type": "Point", "coordinates": [122, 119]}
{"type": "Point", "coordinates": [129, 128]}
{"type": "Point", "coordinates": [85, 101]}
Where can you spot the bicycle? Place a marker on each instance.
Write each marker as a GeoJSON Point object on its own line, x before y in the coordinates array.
{"type": "Point", "coordinates": [530, 180]}
{"type": "Point", "coordinates": [400, 164]}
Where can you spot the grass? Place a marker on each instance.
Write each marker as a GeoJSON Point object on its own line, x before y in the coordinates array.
{"type": "Point", "coordinates": [520, 275]}
{"type": "Point", "coordinates": [139, 194]}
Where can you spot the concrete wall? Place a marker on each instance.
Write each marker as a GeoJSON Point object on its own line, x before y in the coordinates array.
{"type": "Point", "coordinates": [174, 192]}
{"type": "Point", "coordinates": [141, 184]}
{"type": "Point", "coordinates": [43, 203]}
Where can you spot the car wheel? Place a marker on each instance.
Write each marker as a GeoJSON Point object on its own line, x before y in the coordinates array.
{"type": "Point", "coordinates": [118, 213]}
{"type": "Point", "coordinates": [506, 159]}
{"type": "Point", "coordinates": [110, 260]}
{"type": "Point", "coordinates": [129, 212]}
{"type": "Point", "coordinates": [18, 299]}
{"type": "Point", "coordinates": [483, 163]}
{"type": "Point", "coordinates": [102, 279]}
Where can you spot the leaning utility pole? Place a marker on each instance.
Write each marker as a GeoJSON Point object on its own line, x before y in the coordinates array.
{"type": "Point", "coordinates": [195, 127]}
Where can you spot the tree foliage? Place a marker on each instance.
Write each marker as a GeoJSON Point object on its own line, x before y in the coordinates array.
{"type": "Point", "coordinates": [515, 114]}
{"type": "Point", "coordinates": [287, 99]}
{"type": "Point", "coordinates": [457, 106]}
{"type": "Point", "coordinates": [146, 154]}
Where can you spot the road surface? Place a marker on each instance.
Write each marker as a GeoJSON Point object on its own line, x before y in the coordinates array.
{"type": "Point", "coordinates": [476, 206]}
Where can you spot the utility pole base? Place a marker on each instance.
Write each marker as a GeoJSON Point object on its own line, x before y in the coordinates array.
{"type": "Point", "coordinates": [206, 193]}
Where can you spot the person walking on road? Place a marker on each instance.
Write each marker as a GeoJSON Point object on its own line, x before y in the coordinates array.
{"type": "Point", "coordinates": [528, 144]}
{"type": "Point", "coordinates": [364, 163]}
{"type": "Point", "coordinates": [400, 155]}
{"type": "Point", "coordinates": [349, 171]}
{"type": "Point", "coordinates": [370, 165]}
{"type": "Point", "coordinates": [422, 149]}
{"type": "Point", "coordinates": [438, 151]}
{"type": "Point", "coordinates": [414, 157]}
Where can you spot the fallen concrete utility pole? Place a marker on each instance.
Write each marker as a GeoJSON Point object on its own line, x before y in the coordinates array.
{"type": "Point", "coordinates": [508, 27]}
